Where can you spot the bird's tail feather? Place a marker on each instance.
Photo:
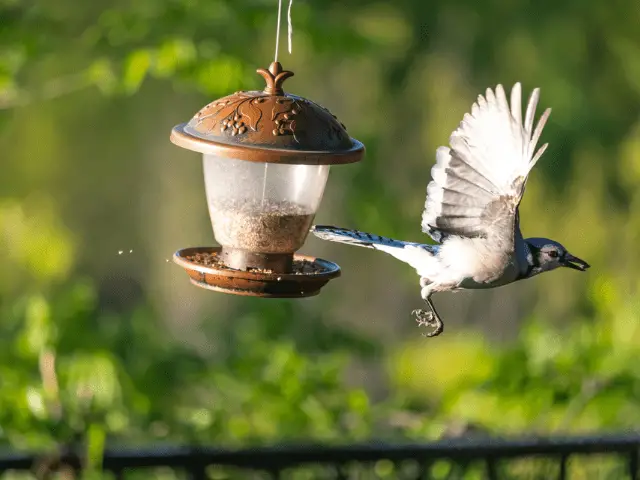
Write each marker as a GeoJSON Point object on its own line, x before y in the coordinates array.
{"type": "Point", "coordinates": [415, 254]}
{"type": "Point", "coordinates": [355, 237]}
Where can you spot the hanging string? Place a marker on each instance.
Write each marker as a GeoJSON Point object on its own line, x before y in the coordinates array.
{"type": "Point", "coordinates": [289, 28]}
{"type": "Point", "coordinates": [289, 25]}
{"type": "Point", "coordinates": [278, 30]}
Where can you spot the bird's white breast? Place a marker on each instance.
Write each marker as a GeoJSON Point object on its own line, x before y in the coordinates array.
{"type": "Point", "coordinates": [469, 263]}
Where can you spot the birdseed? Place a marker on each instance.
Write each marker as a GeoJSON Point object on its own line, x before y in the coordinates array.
{"type": "Point", "coordinates": [272, 227]}
{"type": "Point", "coordinates": [300, 267]}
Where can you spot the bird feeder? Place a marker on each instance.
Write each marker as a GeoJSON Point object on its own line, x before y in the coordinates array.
{"type": "Point", "coordinates": [266, 157]}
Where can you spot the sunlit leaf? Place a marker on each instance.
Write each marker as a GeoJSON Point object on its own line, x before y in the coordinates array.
{"type": "Point", "coordinates": [135, 69]}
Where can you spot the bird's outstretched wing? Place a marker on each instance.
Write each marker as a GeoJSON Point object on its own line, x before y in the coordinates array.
{"type": "Point", "coordinates": [478, 182]}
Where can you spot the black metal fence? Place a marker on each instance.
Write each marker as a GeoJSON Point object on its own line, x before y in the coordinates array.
{"type": "Point", "coordinates": [603, 457]}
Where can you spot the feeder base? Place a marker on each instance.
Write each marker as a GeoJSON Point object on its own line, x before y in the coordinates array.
{"type": "Point", "coordinates": [310, 275]}
{"type": "Point", "coordinates": [245, 260]}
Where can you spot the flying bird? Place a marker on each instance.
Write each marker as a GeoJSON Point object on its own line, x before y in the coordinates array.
{"type": "Point", "coordinates": [471, 210]}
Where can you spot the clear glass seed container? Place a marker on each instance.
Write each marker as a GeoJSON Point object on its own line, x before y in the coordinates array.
{"type": "Point", "coordinates": [262, 207]}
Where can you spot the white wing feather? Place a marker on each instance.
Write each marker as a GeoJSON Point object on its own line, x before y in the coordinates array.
{"type": "Point", "coordinates": [479, 181]}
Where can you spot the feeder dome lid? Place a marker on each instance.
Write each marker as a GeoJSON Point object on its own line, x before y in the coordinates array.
{"type": "Point", "coordinates": [269, 126]}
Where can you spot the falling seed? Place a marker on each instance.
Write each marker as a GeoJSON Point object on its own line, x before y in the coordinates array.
{"type": "Point", "coordinates": [120, 252]}
{"type": "Point", "coordinates": [130, 251]}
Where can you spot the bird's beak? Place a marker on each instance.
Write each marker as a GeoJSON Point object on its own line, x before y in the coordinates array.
{"type": "Point", "coordinates": [575, 263]}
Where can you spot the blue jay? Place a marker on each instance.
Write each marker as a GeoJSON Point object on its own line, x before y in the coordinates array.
{"type": "Point", "coordinates": [471, 210]}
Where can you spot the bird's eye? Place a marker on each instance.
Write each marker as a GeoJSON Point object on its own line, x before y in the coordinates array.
{"type": "Point", "coordinates": [554, 254]}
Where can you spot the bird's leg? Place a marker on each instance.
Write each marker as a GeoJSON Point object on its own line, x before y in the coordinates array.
{"type": "Point", "coordinates": [429, 318]}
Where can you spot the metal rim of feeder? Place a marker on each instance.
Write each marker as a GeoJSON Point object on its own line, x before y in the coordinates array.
{"type": "Point", "coordinates": [268, 126]}
{"type": "Point", "coordinates": [256, 284]}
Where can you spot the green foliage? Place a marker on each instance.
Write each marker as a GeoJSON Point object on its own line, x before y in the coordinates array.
{"type": "Point", "coordinates": [84, 373]}
{"type": "Point", "coordinates": [579, 378]}
{"type": "Point", "coordinates": [117, 47]}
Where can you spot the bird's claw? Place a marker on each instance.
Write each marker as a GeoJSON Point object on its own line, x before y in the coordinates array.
{"type": "Point", "coordinates": [429, 319]}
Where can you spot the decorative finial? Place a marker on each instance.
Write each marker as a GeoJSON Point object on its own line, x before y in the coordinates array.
{"type": "Point", "coordinates": [274, 77]}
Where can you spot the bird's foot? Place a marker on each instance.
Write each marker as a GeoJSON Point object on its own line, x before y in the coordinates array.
{"type": "Point", "coordinates": [429, 319]}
